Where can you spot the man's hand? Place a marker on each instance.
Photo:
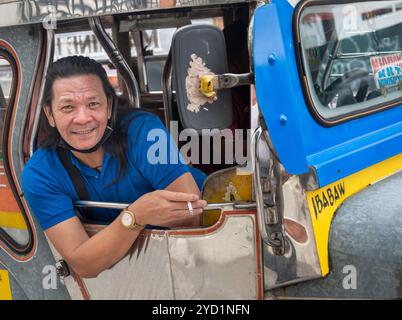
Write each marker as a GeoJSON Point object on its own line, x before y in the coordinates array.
{"type": "Point", "coordinates": [165, 208]}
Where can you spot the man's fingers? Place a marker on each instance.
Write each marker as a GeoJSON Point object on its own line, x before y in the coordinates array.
{"type": "Point", "coordinates": [178, 196]}
{"type": "Point", "coordinates": [194, 204]}
{"type": "Point", "coordinates": [186, 213]}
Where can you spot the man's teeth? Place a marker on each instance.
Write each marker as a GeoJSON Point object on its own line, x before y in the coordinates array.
{"type": "Point", "coordinates": [84, 132]}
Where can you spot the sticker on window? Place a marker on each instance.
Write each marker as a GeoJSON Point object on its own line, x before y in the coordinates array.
{"type": "Point", "coordinates": [387, 71]}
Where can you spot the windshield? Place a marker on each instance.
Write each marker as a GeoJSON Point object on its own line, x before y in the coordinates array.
{"type": "Point", "coordinates": [352, 56]}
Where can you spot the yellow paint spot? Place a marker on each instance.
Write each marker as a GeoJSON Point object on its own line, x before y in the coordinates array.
{"type": "Point", "coordinates": [5, 289]}
{"type": "Point", "coordinates": [324, 202]}
{"type": "Point", "coordinates": [224, 186]}
{"type": "Point", "coordinates": [12, 220]}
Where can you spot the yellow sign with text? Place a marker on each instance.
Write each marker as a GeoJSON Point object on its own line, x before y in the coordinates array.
{"type": "Point", "coordinates": [5, 289]}
{"type": "Point", "coordinates": [324, 202]}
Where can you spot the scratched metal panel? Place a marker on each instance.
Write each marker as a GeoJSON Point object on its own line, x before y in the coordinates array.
{"type": "Point", "coordinates": [143, 274]}
{"type": "Point", "coordinates": [34, 11]}
{"type": "Point", "coordinates": [17, 288]}
{"type": "Point", "coordinates": [219, 265]}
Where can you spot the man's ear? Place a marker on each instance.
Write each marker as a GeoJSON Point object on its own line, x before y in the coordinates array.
{"type": "Point", "coordinates": [109, 107]}
{"type": "Point", "coordinates": [49, 116]}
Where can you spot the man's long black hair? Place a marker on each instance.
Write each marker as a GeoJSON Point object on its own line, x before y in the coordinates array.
{"type": "Point", "coordinates": [71, 66]}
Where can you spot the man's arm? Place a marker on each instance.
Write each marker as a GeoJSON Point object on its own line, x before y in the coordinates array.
{"type": "Point", "coordinates": [90, 256]}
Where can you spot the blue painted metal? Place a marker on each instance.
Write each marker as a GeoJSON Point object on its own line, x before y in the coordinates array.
{"type": "Point", "coordinates": [300, 141]}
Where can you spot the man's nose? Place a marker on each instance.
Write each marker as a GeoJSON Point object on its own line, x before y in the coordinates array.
{"type": "Point", "coordinates": [82, 115]}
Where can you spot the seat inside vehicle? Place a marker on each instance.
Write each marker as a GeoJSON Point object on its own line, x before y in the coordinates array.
{"type": "Point", "coordinates": [200, 50]}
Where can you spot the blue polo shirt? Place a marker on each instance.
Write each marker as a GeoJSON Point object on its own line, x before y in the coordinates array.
{"type": "Point", "coordinates": [50, 192]}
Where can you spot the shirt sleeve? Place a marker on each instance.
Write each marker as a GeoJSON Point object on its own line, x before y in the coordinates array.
{"type": "Point", "coordinates": [48, 202]}
{"type": "Point", "coordinates": [154, 152]}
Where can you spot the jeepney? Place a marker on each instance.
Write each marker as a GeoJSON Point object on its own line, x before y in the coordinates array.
{"type": "Point", "coordinates": [315, 210]}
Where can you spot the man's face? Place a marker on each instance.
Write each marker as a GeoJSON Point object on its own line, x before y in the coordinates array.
{"type": "Point", "coordinates": [79, 110]}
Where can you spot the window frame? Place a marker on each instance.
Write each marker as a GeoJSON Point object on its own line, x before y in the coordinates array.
{"type": "Point", "coordinates": [328, 122]}
{"type": "Point", "coordinates": [5, 238]}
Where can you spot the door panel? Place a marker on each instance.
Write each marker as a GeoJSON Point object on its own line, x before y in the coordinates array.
{"type": "Point", "coordinates": [334, 151]}
{"type": "Point", "coordinates": [219, 262]}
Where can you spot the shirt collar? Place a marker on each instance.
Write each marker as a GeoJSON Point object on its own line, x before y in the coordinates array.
{"type": "Point", "coordinates": [86, 170]}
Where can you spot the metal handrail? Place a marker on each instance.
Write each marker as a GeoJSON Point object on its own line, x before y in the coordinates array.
{"type": "Point", "coordinates": [48, 59]}
{"type": "Point", "coordinates": [167, 88]}
{"type": "Point", "coordinates": [121, 206]}
{"type": "Point", "coordinates": [270, 230]}
{"type": "Point", "coordinates": [257, 184]}
{"type": "Point", "coordinates": [117, 60]}
{"type": "Point", "coordinates": [354, 55]}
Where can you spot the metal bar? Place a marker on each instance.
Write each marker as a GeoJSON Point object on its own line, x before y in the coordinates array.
{"type": "Point", "coordinates": [269, 225]}
{"type": "Point", "coordinates": [167, 89]}
{"type": "Point", "coordinates": [121, 206]}
{"type": "Point", "coordinates": [257, 184]}
{"type": "Point", "coordinates": [338, 75]}
{"type": "Point", "coordinates": [345, 56]}
{"type": "Point", "coordinates": [97, 204]}
{"type": "Point", "coordinates": [154, 23]}
{"type": "Point", "coordinates": [230, 80]}
{"type": "Point", "coordinates": [117, 60]}
{"type": "Point", "coordinates": [48, 60]}
{"type": "Point", "coordinates": [136, 34]}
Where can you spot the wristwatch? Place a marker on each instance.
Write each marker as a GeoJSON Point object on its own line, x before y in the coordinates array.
{"type": "Point", "coordinates": [128, 220]}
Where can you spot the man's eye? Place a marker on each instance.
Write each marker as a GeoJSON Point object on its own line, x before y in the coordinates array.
{"type": "Point", "coordinates": [67, 108]}
{"type": "Point", "coordinates": [93, 104]}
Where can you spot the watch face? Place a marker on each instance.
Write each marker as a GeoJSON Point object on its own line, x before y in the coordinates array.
{"type": "Point", "coordinates": [127, 219]}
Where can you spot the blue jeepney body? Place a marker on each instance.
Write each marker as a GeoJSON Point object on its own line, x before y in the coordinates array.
{"type": "Point", "coordinates": [321, 208]}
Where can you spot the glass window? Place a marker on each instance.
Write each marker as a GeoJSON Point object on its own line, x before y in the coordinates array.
{"type": "Point", "coordinates": [352, 56]}
{"type": "Point", "coordinates": [13, 228]}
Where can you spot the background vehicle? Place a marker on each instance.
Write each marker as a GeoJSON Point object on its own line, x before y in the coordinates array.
{"type": "Point", "coordinates": [318, 211]}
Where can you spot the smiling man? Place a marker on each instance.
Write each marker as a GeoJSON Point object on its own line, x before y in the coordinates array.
{"type": "Point", "coordinates": [106, 143]}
